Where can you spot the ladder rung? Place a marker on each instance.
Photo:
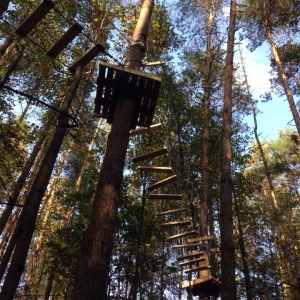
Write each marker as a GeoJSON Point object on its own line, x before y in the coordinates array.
{"type": "Point", "coordinates": [181, 235]}
{"type": "Point", "coordinates": [65, 39]}
{"type": "Point", "coordinates": [152, 128]}
{"type": "Point", "coordinates": [188, 256]}
{"type": "Point", "coordinates": [165, 196]}
{"type": "Point", "coordinates": [189, 262]}
{"type": "Point", "coordinates": [179, 223]}
{"type": "Point", "coordinates": [87, 57]}
{"type": "Point", "coordinates": [158, 184]}
{"type": "Point", "coordinates": [150, 155]}
{"type": "Point", "coordinates": [201, 239]}
{"type": "Point", "coordinates": [201, 268]}
{"type": "Point", "coordinates": [36, 16]}
{"type": "Point", "coordinates": [171, 211]}
{"type": "Point", "coordinates": [155, 169]}
{"type": "Point", "coordinates": [186, 245]}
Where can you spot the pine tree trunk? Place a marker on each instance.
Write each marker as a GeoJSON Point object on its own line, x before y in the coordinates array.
{"type": "Point", "coordinates": [226, 214]}
{"type": "Point", "coordinates": [91, 281]}
{"type": "Point", "coordinates": [4, 6]}
{"type": "Point", "coordinates": [27, 220]}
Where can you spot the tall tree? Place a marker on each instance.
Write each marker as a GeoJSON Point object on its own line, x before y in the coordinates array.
{"type": "Point", "coordinates": [226, 191]}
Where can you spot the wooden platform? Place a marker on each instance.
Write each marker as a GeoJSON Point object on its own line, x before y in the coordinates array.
{"type": "Point", "coordinates": [163, 182]}
{"type": "Point", "coordinates": [36, 16]}
{"type": "Point", "coordinates": [65, 40]}
{"type": "Point", "coordinates": [197, 269]}
{"type": "Point", "coordinates": [115, 82]}
{"type": "Point", "coordinates": [152, 128]}
{"type": "Point", "coordinates": [155, 169]}
{"type": "Point", "coordinates": [179, 235]}
{"type": "Point", "coordinates": [193, 261]}
{"type": "Point", "coordinates": [171, 211]}
{"type": "Point", "coordinates": [189, 256]}
{"type": "Point", "coordinates": [150, 155]}
{"type": "Point", "coordinates": [87, 57]}
{"type": "Point", "coordinates": [179, 223]}
{"type": "Point", "coordinates": [186, 245]}
{"type": "Point", "coordinates": [205, 287]}
{"type": "Point", "coordinates": [165, 196]}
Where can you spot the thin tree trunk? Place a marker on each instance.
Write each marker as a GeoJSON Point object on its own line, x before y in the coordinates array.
{"type": "Point", "coordinates": [4, 6]}
{"type": "Point", "coordinates": [27, 220]}
{"type": "Point", "coordinates": [49, 285]}
{"type": "Point", "coordinates": [282, 75]}
{"type": "Point", "coordinates": [98, 242]}
{"type": "Point", "coordinates": [226, 214]}
{"type": "Point", "coordinates": [6, 44]}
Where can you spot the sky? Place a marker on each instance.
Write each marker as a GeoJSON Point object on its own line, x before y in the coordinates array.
{"type": "Point", "coordinates": [275, 114]}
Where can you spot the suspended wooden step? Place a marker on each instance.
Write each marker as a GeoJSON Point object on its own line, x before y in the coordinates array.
{"type": "Point", "coordinates": [87, 57]}
{"type": "Point", "coordinates": [189, 262]}
{"type": "Point", "coordinates": [165, 181]}
{"type": "Point", "coordinates": [116, 81]}
{"type": "Point", "coordinates": [189, 256]}
{"type": "Point", "coordinates": [150, 155]}
{"type": "Point", "coordinates": [181, 235]}
{"type": "Point", "coordinates": [165, 196]}
{"type": "Point", "coordinates": [200, 268]}
{"type": "Point", "coordinates": [155, 169]}
{"type": "Point", "coordinates": [206, 286]}
{"type": "Point", "coordinates": [179, 223]}
{"type": "Point", "coordinates": [65, 40]}
{"type": "Point", "coordinates": [171, 211]}
{"type": "Point", "coordinates": [152, 128]}
{"type": "Point", "coordinates": [186, 245]}
{"type": "Point", "coordinates": [36, 16]}
{"type": "Point", "coordinates": [201, 239]}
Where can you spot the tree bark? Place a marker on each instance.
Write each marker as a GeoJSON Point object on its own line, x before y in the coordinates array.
{"type": "Point", "coordinates": [26, 223]}
{"type": "Point", "coordinates": [226, 214]}
{"type": "Point", "coordinates": [91, 281]}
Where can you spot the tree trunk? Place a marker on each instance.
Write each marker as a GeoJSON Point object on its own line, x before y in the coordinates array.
{"type": "Point", "coordinates": [282, 75]}
{"type": "Point", "coordinates": [4, 6]}
{"type": "Point", "coordinates": [91, 281]}
{"type": "Point", "coordinates": [6, 44]}
{"type": "Point", "coordinates": [226, 214]}
{"type": "Point", "coordinates": [27, 220]}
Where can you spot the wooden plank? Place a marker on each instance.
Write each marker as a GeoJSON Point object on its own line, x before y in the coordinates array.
{"type": "Point", "coordinates": [189, 262]}
{"type": "Point", "coordinates": [150, 155]}
{"type": "Point", "coordinates": [181, 235]}
{"type": "Point", "coordinates": [171, 211]}
{"type": "Point", "coordinates": [194, 282]}
{"type": "Point", "coordinates": [36, 16]}
{"type": "Point", "coordinates": [201, 239]}
{"type": "Point", "coordinates": [65, 40]}
{"type": "Point", "coordinates": [136, 72]}
{"type": "Point", "coordinates": [186, 245]}
{"type": "Point", "coordinates": [165, 196]}
{"type": "Point", "coordinates": [200, 268]}
{"type": "Point", "coordinates": [87, 57]}
{"type": "Point", "coordinates": [191, 255]}
{"type": "Point", "coordinates": [179, 223]}
{"type": "Point", "coordinates": [165, 181]}
{"type": "Point", "coordinates": [155, 169]}
{"type": "Point", "coordinates": [152, 128]}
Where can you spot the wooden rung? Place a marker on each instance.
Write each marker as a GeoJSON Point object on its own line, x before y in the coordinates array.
{"type": "Point", "coordinates": [36, 16]}
{"type": "Point", "coordinates": [189, 262]}
{"type": "Point", "coordinates": [165, 196]}
{"type": "Point", "coordinates": [179, 223]}
{"type": "Point", "coordinates": [152, 128]}
{"type": "Point", "coordinates": [171, 211]}
{"type": "Point", "coordinates": [165, 181]}
{"type": "Point", "coordinates": [181, 235]}
{"type": "Point", "coordinates": [65, 39]}
{"type": "Point", "coordinates": [191, 255]}
{"type": "Point", "coordinates": [155, 169]}
{"type": "Point", "coordinates": [150, 155]}
{"type": "Point", "coordinates": [87, 57]}
{"type": "Point", "coordinates": [201, 268]}
{"type": "Point", "coordinates": [201, 239]}
{"type": "Point", "coordinates": [191, 283]}
{"type": "Point", "coordinates": [186, 245]}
